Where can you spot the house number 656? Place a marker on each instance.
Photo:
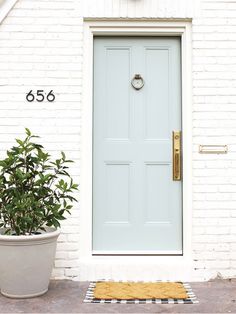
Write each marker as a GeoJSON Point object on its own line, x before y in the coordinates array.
{"type": "Point", "coordinates": [40, 96]}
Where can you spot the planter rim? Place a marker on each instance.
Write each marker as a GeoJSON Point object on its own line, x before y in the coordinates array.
{"type": "Point", "coordinates": [50, 233]}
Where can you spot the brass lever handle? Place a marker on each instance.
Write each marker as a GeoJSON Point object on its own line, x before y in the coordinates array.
{"type": "Point", "coordinates": [176, 138]}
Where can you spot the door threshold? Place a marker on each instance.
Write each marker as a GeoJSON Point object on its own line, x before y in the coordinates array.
{"type": "Point", "coordinates": [146, 253]}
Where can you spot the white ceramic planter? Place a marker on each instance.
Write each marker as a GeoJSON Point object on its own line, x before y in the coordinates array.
{"type": "Point", "coordinates": [26, 263]}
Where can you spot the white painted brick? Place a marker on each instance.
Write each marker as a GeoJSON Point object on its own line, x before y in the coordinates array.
{"type": "Point", "coordinates": [209, 213]}
{"type": "Point", "coordinates": [66, 263]}
{"type": "Point", "coordinates": [233, 255]}
{"type": "Point", "coordinates": [58, 273]}
{"type": "Point", "coordinates": [217, 230]}
{"type": "Point", "coordinates": [199, 247]}
{"type": "Point", "coordinates": [72, 272]}
{"type": "Point", "coordinates": [42, 47]}
{"type": "Point", "coordinates": [217, 264]}
{"type": "Point", "coordinates": [199, 230]}
{"type": "Point", "coordinates": [62, 238]}
{"type": "Point", "coordinates": [218, 247]}
{"type": "Point", "coordinates": [203, 238]}
{"type": "Point", "coordinates": [73, 237]}
{"type": "Point", "coordinates": [66, 246]}
{"type": "Point", "coordinates": [61, 255]}
{"type": "Point", "coordinates": [73, 255]}
{"type": "Point", "coordinates": [212, 256]}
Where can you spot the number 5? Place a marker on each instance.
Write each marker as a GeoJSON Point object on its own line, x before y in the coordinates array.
{"type": "Point", "coordinates": [40, 94]}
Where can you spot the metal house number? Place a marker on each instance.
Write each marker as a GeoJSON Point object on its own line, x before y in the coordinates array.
{"type": "Point", "coordinates": [137, 82]}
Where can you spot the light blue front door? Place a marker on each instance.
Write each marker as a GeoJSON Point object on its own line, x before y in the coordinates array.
{"type": "Point", "coordinates": [137, 206]}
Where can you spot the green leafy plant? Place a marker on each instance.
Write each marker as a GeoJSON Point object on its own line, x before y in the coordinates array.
{"type": "Point", "coordinates": [32, 192]}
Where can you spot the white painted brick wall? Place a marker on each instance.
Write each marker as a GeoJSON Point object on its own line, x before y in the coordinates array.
{"type": "Point", "coordinates": [214, 122]}
{"type": "Point", "coordinates": [41, 48]}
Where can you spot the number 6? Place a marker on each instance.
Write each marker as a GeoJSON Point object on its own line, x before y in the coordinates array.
{"type": "Point", "coordinates": [50, 96]}
{"type": "Point", "coordinates": [30, 97]}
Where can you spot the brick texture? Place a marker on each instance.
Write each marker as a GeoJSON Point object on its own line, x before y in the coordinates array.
{"type": "Point", "coordinates": [42, 48]}
{"type": "Point", "coordinates": [214, 189]}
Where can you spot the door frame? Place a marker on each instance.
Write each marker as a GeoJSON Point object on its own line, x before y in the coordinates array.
{"type": "Point", "coordinates": [133, 27]}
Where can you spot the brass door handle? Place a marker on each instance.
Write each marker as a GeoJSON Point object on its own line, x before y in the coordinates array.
{"type": "Point", "coordinates": [176, 138]}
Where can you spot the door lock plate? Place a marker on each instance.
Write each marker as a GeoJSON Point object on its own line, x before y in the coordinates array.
{"type": "Point", "coordinates": [176, 138]}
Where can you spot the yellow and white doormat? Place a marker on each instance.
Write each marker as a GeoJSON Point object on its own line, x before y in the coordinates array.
{"type": "Point", "coordinates": [140, 292]}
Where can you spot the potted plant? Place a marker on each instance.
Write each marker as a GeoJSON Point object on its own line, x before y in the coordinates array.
{"type": "Point", "coordinates": [33, 200]}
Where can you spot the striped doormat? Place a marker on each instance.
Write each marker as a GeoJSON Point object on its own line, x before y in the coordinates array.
{"type": "Point", "coordinates": [156, 292]}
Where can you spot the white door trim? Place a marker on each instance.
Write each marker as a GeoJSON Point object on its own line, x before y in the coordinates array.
{"type": "Point", "coordinates": [93, 27]}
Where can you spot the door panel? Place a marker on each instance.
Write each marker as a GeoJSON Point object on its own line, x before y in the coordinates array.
{"type": "Point", "coordinates": [117, 205]}
{"type": "Point", "coordinates": [157, 79]}
{"type": "Point", "coordinates": [157, 193]}
{"type": "Point", "coordinates": [117, 103]}
{"type": "Point", "coordinates": [137, 207]}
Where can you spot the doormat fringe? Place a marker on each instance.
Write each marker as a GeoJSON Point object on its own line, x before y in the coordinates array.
{"type": "Point", "coordinates": [90, 298]}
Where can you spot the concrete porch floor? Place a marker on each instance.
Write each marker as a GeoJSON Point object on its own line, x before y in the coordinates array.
{"type": "Point", "coordinates": [218, 296]}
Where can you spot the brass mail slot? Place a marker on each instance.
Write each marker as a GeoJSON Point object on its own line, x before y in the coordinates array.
{"type": "Point", "coordinates": [213, 149]}
{"type": "Point", "coordinates": [176, 138]}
